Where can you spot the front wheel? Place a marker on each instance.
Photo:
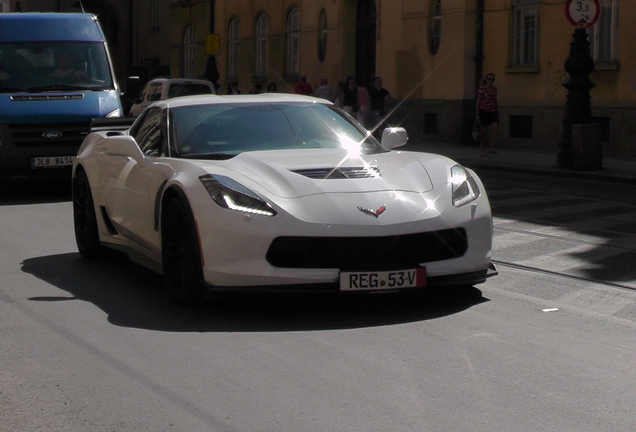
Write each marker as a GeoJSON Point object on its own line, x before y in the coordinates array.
{"type": "Point", "coordinates": [182, 264]}
{"type": "Point", "coordinates": [85, 218]}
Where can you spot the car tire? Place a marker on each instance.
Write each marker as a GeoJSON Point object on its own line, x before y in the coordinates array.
{"type": "Point", "coordinates": [85, 218]}
{"type": "Point", "coordinates": [181, 254]}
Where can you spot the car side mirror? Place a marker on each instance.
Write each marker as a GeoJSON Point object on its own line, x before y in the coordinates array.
{"type": "Point", "coordinates": [124, 146]}
{"type": "Point", "coordinates": [393, 137]}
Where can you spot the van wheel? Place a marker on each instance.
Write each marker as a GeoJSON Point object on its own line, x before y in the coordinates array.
{"type": "Point", "coordinates": [182, 265]}
{"type": "Point", "coordinates": [85, 219]}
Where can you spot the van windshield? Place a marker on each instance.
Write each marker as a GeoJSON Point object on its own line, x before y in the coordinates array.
{"type": "Point", "coordinates": [54, 66]}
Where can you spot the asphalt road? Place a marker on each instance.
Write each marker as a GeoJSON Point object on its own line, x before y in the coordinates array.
{"type": "Point", "coordinates": [546, 345]}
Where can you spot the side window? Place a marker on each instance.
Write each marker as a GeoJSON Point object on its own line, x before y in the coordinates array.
{"type": "Point", "coordinates": [144, 92]}
{"type": "Point", "coordinates": [148, 132]}
{"type": "Point", "coordinates": [154, 94]}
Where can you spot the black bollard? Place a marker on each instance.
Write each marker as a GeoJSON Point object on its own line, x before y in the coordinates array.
{"type": "Point", "coordinates": [578, 108]}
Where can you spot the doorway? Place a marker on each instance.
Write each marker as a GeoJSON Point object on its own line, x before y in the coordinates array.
{"type": "Point", "coordinates": [366, 19]}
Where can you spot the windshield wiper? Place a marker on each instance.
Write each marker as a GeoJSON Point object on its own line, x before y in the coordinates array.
{"type": "Point", "coordinates": [10, 89]}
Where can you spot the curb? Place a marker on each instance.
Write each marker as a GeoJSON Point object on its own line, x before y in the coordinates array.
{"type": "Point", "coordinates": [554, 172]}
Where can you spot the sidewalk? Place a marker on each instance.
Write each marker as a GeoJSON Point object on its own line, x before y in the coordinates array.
{"type": "Point", "coordinates": [615, 169]}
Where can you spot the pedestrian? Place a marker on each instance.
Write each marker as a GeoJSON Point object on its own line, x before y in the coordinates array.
{"type": "Point", "coordinates": [258, 88]}
{"type": "Point", "coordinates": [378, 96]}
{"type": "Point", "coordinates": [303, 87]}
{"type": "Point", "coordinates": [487, 110]}
{"type": "Point", "coordinates": [324, 90]}
{"type": "Point", "coordinates": [272, 88]}
{"type": "Point", "coordinates": [338, 94]}
{"type": "Point", "coordinates": [349, 97]}
{"type": "Point", "coordinates": [363, 100]}
{"type": "Point", "coordinates": [232, 89]}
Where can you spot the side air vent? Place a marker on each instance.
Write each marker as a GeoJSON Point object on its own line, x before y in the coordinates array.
{"type": "Point", "coordinates": [340, 173]}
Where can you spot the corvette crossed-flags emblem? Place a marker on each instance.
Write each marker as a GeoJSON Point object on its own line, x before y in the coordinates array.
{"type": "Point", "coordinates": [375, 213]}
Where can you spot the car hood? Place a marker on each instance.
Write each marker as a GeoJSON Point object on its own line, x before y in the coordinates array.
{"type": "Point", "coordinates": [57, 107]}
{"type": "Point", "coordinates": [294, 173]}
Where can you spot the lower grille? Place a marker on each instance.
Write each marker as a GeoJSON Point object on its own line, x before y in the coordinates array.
{"type": "Point", "coordinates": [367, 253]}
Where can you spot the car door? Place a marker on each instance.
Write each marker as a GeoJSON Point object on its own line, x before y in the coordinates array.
{"type": "Point", "coordinates": [127, 189]}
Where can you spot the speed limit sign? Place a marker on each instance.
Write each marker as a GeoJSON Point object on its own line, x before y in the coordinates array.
{"type": "Point", "coordinates": [582, 13]}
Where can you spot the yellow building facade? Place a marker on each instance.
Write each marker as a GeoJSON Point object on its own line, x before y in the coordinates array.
{"type": "Point", "coordinates": [430, 53]}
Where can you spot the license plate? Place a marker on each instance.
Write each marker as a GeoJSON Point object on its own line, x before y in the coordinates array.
{"type": "Point", "coordinates": [52, 161]}
{"type": "Point", "coordinates": [361, 281]}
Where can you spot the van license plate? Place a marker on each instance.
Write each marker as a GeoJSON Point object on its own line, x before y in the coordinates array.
{"type": "Point", "coordinates": [370, 281]}
{"type": "Point", "coordinates": [52, 161]}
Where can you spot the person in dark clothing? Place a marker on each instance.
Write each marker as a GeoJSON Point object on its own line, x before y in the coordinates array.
{"type": "Point", "coordinates": [349, 98]}
{"type": "Point", "coordinates": [378, 96]}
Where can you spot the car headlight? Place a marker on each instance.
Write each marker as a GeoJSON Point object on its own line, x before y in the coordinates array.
{"type": "Point", "coordinates": [232, 195]}
{"type": "Point", "coordinates": [465, 189]}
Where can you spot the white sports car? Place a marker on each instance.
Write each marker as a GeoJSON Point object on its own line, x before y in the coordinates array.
{"type": "Point", "coordinates": [277, 191]}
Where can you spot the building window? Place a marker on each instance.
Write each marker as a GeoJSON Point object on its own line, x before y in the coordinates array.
{"type": "Point", "coordinates": [603, 33]}
{"type": "Point", "coordinates": [261, 46]}
{"type": "Point", "coordinates": [4, 6]}
{"type": "Point", "coordinates": [520, 126]}
{"type": "Point", "coordinates": [189, 46]}
{"type": "Point", "coordinates": [436, 27]}
{"type": "Point", "coordinates": [525, 33]}
{"type": "Point", "coordinates": [322, 35]}
{"type": "Point", "coordinates": [154, 14]}
{"type": "Point", "coordinates": [293, 43]}
{"type": "Point", "coordinates": [232, 49]}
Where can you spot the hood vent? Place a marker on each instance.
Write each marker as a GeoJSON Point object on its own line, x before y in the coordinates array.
{"type": "Point", "coordinates": [51, 97]}
{"type": "Point", "coordinates": [340, 173]}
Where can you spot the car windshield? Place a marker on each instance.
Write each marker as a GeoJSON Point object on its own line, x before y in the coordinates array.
{"type": "Point", "coordinates": [54, 66]}
{"type": "Point", "coordinates": [218, 130]}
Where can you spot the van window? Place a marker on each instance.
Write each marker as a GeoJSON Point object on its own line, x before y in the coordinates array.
{"type": "Point", "coordinates": [42, 66]}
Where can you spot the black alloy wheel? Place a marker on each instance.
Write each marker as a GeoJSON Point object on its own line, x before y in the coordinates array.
{"type": "Point", "coordinates": [182, 265]}
{"type": "Point", "coordinates": [85, 219]}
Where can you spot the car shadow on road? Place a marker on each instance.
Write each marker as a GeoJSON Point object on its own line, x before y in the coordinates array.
{"type": "Point", "coordinates": [132, 296]}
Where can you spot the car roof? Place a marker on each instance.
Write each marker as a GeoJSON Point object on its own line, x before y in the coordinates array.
{"type": "Point", "coordinates": [238, 99]}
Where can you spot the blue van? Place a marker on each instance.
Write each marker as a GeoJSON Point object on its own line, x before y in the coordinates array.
{"type": "Point", "coordinates": [56, 76]}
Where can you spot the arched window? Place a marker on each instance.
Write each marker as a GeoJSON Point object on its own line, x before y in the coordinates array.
{"type": "Point", "coordinates": [4, 6]}
{"type": "Point", "coordinates": [189, 46]}
{"type": "Point", "coordinates": [436, 26]}
{"type": "Point", "coordinates": [293, 43]}
{"type": "Point", "coordinates": [322, 35]}
{"type": "Point", "coordinates": [261, 46]}
{"type": "Point", "coordinates": [232, 49]}
{"type": "Point", "coordinates": [154, 14]}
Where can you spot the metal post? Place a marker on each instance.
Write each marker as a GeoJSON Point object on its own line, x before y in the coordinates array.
{"type": "Point", "coordinates": [578, 109]}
